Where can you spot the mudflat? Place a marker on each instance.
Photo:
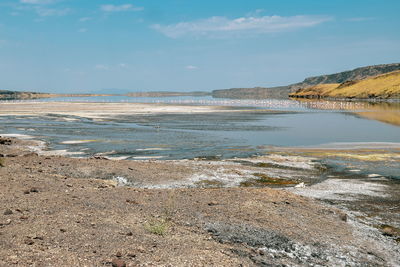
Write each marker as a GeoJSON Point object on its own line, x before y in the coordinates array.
{"type": "Point", "coordinates": [53, 215]}
{"type": "Point", "coordinates": [95, 110]}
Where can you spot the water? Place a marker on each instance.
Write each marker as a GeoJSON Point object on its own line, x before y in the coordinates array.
{"type": "Point", "coordinates": [217, 135]}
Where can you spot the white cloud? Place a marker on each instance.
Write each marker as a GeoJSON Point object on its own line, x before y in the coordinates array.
{"type": "Point", "coordinates": [119, 8]}
{"type": "Point", "coordinates": [84, 19]}
{"type": "Point", "coordinates": [101, 67]}
{"type": "Point", "coordinates": [191, 67]}
{"type": "Point", "coordinates": [48, 12]}
{"type": "Point", "coordinates": [37, 2]}
{"type": "Point", "coordinates": [82, 30]}
{"type": "Point", "coordinates": [123, 65]}
{"type": "Point", "coordinates": [215, 26]}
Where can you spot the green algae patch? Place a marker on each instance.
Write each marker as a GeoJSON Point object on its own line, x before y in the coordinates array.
{"type": "Point", "coordinates": [357, 156]}
{"type": "Point", "coordinates": [391, 231]}
{"type": "Point", "coordinates": [209, 184]}
{"type": "Point", "coordinates": [264, 180]}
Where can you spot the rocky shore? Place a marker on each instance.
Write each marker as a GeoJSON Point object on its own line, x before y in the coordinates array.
{"type": "Point", "coordinates": [59, 211]}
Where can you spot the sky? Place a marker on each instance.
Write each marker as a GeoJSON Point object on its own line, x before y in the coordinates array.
{"type": "Point", "coordinates": [80, 46]}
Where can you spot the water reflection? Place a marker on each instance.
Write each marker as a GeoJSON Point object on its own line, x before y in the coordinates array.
{"type": "Point", "coordinates": [387, 112]}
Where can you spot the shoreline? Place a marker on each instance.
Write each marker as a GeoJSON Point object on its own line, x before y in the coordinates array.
{"type": "Point", "coordinates": [50, 175]}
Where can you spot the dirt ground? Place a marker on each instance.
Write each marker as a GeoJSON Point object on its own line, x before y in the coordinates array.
{"type": "Point", "coordinates": [51, 216]}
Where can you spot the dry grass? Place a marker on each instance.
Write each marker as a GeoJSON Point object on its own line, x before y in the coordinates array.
{"type": "Point", "coordinates": [383, 86]}
{"type": "Point", "coordinates": [158, 227]}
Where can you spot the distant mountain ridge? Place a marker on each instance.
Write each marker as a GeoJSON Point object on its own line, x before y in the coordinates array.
{"type": "Point", "coordinates": [284, 91]}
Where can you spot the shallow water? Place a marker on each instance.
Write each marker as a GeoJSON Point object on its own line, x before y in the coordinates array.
{"type": "Point", "coordinates": [216, 135]}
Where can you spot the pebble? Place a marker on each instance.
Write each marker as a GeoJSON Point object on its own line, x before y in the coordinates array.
{"type": "Point", "coordinates": [118, 263]}
{"type": "Point", "coordinates": [29, 241]}
{"type": "Point", "coordinates": [8, 212]}
{"type": "Point", "coordinates": [7, 222]}
{"type": "Point", "coordinates": [343, 216]}
{"type": "Point", "coordinates": [212, 203]}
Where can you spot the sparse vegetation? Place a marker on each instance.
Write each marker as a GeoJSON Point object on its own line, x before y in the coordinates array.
{"type": "Point", "coordinates": [158, 227]}
{"type": "Point", "coordinates": [2, 162]}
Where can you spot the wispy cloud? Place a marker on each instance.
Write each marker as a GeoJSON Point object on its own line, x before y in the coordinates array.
{"type": "Point", "coordinates": [359, 19]}
{"type": "Point", "coordinates": [82, 30]}
{"type": "Point", "coordinates": [215, 26]}
{"type": "Point", "coordinates": [48, 12]}
{"type": "Point", "coordinates": [101, 67]}
{"type": "Point", "coordinates": [120, 8]}
{"type": "Point", "coordinates": [84, 19]}
{"type": "Point", "coordinates": [41, 7]}
{"type": "Point", "coordinates": [191, 67]}
{"type": "Point", "coordinates": [37, 2]}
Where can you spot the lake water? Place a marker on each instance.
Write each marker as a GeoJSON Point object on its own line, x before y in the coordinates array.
{"type": "Point", "coordinates": [219, 135]}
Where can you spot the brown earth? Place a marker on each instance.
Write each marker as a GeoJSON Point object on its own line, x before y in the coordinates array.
{"type": "Point", "coordinates": [51, 217]}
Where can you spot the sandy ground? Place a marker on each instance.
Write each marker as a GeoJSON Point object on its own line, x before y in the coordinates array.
{"type": "Point", "coordinates": [106, 110]}
{"type": "Point", "coordinates": [55, 211]}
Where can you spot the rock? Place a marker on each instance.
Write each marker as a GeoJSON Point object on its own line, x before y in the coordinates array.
{"type": "Point", "coordinates": [140, 249]}
{"type": "Point", "coordinates": [62, 230]}
{"type": "Point", "coordinates": [212, 203]}
{"type": "Point", "coordinates": [390, 230]}
{"type": "Point", "coordinates": [131, 255]}
{"type": "Point", "coordinates": [5, 223]}
{"type": "Point", "coordinates": [8, 212]}
{"type": "Point", "coordinates": [118, 254]}
{"type": "Point", "coordinates": [343, 216]}
{"type": "Point", "coordinates": [300, 185]}
{"type": "Point", "coordinates": [129, 234]}
{"type": "Point", "coordinates": [131, 201]}
{"type": "Point", "coordinates": [29, 241]}
{"type": "Point", "coordinates": [34, 190]}
{"type": "Point", "coordinates": [6, 142]}
{"type": "Point", "coordinates": [118, 263]}
{"type": "Point", "coordinates": [26, 192]}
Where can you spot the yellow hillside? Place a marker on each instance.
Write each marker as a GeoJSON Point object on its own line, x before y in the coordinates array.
{"type": "Point", "coordinates": [381, 86]}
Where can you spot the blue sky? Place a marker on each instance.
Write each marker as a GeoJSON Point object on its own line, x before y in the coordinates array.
{"type": "Point", "coordinates": [184, 45]}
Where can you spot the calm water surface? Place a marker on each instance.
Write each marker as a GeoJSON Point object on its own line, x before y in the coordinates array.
{"type": "Point", "coordinates": [227, 135]}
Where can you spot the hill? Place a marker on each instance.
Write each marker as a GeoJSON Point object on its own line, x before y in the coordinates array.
{"type": "Point", "coordinates": [284, 91]}
{"type": "Point", "coordinates": [17, 95]}
{"type": "Point", "coordinates": [382, 86]}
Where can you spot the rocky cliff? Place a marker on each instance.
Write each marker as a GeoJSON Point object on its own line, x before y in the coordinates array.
{"type": "Point", "coordinates": [284, 91]}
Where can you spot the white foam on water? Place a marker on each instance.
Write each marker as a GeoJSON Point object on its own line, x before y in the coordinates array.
{"type": "Point", "coordinates": [148, 157]}
{"type": "Point", "coordinates": [374, 175]}
{"type": "Point", "coordinates": [73, 142]}
{"type": "Point", "coordinates": [19, 136]}
{"type": "Point", "coordinates": [117, 158]}
{"type": "Point", "coordinates": [152, 149]}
